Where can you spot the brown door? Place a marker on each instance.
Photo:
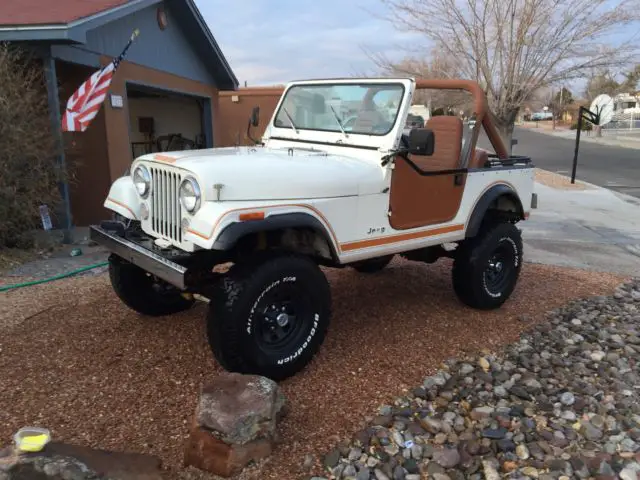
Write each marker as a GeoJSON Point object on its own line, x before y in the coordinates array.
{"type": "Point", "coordinates": [417, 200]}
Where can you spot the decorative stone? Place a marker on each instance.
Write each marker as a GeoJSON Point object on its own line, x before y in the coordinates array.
{"type": "Point", "coordinates": [235, 423]}
{"type": "Point", "coordinates": [447, 457]}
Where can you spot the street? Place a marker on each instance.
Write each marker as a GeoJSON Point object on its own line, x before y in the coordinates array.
{"type": "Point", "coordinates": [612, 167]}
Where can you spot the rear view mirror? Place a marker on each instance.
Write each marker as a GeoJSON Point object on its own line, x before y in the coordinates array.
{"type": "Point", "coordinates": [421, 141]}
{"type": "Point", "coordinates": [255, 116]}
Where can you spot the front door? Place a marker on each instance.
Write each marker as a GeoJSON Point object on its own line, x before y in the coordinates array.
{"type": "Point", "coordinates": [417, 200]}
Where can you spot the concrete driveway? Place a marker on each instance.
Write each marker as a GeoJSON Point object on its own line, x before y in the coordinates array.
{"type": "Point", "coordinates": [593, 228]}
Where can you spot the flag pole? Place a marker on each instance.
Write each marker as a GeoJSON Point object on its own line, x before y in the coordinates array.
{"type": "Point", "coordinates": [86, 101]}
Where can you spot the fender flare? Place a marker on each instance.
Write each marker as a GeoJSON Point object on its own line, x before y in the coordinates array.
{"type": "Point", "coordinates": [234, 232]}
{"type": "Point", "coordinates": [479, 211]}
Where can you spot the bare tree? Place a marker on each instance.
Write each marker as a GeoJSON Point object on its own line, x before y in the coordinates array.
{"type": "Point", "coordinates": [514, 47]}
{"type": "Point", "coordinates": [436, 66]}
{"type": "Point", "coordinates": [601, 81]}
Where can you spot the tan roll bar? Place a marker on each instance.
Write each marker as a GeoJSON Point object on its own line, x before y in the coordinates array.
{"type": "Point", "coordinates": [480, 106]}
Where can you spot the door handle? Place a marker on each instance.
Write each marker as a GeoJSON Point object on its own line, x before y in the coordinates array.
{"type": "Point", "coordinates": [458, 179]}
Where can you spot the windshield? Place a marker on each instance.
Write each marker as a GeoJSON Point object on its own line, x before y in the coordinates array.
{"type": "Point", "coordinates": [368, 109]}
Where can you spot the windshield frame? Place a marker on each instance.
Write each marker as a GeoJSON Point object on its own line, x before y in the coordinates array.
{"type": "Point", "coordinates": [338, 83]}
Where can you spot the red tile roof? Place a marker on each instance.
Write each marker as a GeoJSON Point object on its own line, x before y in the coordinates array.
{"type": "Point", "coordinates": [47, 12]}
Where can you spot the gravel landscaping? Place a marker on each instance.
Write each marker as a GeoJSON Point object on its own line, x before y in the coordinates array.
{"type": "Point", "coordinates": [562, 402]}
{"type": "Point", "coordinates": [75, 360]}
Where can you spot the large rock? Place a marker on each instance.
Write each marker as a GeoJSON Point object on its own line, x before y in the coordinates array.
{"type": "Point", "coordinates": [60, 461]}
{"type": "Point", "coordinates": [234, 423]}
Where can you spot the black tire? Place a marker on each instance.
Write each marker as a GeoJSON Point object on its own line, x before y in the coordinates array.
{"type": "Point", "coordinates": [141, 292]}
{"type": "Point", "coordinates": [244, 331]}
{"type": "Point", "coordinates": [372, 265]}
{"type": "Point", "coordinates": [487, 267]}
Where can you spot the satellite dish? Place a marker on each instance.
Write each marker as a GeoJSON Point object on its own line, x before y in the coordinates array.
{"type": "Point", "coordinates": [603, 106]}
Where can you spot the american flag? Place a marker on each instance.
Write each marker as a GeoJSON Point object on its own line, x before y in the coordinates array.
{"type": "Point", "coordinates": [85, 103]}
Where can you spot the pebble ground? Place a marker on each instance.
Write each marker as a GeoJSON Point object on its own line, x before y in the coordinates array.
{"type": "Point", "coordinates": [561, 403]}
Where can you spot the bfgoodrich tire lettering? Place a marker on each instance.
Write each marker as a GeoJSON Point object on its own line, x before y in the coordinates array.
{"type": "Point", "coordinates": [487, 267]}
{"type": "Point", "coordinates": [269, 317]}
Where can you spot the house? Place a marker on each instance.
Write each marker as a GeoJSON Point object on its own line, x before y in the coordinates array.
{"type": "Point", "coordinates": [165, 94]}
{"type": "Point", "coordinates": [626, 103]}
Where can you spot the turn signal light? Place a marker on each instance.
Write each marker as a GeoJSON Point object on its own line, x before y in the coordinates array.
{"type": "Point", "coordinates": [251, 216]}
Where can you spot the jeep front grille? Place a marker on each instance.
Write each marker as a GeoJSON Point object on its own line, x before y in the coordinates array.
{"type": "Point", "coordinates": [166, 211]}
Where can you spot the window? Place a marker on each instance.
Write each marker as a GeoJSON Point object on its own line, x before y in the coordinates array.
{"type": "Point", "coordinates": [367, 109]}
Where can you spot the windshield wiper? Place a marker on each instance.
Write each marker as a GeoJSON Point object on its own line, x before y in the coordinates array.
{"type": "Point", "coordinates": [293, 125]}
{"type": "Point", "coordinates": [335, 115]}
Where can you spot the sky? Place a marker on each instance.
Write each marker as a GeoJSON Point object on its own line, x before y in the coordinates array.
{"type": "Point", "coordinates": [271, 42]}
{"type": "Point", "coordinates": [275, 41]}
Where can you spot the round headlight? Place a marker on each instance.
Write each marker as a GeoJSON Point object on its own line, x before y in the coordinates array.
{"type": "Point", "coordinates": [190, 194]}
{"type": "Point", "coordinates": [142, 181]}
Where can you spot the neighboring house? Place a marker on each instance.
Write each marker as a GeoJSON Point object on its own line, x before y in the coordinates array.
{"type": "Point", "coordinates": [625, 103]}
{"type": "Point", "coordinates": [164, 95]}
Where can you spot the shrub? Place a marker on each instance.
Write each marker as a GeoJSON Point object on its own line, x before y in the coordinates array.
{"type": "Point", "coordinates": [27, 147]}
{"type": "Point", "coordinates": [586, 126]}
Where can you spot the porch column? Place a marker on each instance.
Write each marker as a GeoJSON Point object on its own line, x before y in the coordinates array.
{"type": "Point", "coordinates": [56, 128]}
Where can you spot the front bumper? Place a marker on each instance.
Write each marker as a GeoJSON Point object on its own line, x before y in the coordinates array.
{"type": "Point", "coordinates": [145, 258]}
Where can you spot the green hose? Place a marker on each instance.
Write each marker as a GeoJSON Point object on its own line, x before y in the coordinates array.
{"type": "Point", "coordinates": [51, 279]}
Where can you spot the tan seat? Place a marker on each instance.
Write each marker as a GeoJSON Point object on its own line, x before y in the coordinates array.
{"type": "Point", "coordinates": [367, 119]}
{"type": "Point", "coordinates": [479, 159]}
{"type": "Point", "coordinates": [448, 144]}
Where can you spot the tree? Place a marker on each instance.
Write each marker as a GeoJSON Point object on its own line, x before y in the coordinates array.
{"type": "Point", "coordinates": [514, 47]}
{"type": "Point", "coordinates": [561, 100]}
{"type": "Point", "coordinates": [435, 67]}
{"type": "Point", "coordinates": [563, 97]}
{"type": "Point", "coordinates": [631, 82]}
{"type": "Point", "coordinates": [605, 81]}
{"type": "Point", "coordinates": [27, 149]}
{"type": "Point", "coordinates": [599, 82]}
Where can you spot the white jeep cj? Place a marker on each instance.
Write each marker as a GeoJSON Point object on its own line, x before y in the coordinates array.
{"type": "Point", "coordinates": [335, 181]}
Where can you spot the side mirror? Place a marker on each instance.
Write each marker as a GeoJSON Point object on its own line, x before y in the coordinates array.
{"type": "Point", "coordinates": [255, 116]}
{"type": "Point", "coordinates": [421, 141]}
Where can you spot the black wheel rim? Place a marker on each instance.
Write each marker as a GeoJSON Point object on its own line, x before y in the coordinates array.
{"type": "Point", "coordinates": [500, 269]}
{"type": "Point", "coordinates": [281, 317]}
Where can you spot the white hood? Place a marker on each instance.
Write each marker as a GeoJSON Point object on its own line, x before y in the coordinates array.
{"type": "Point", "coordinates": [249, 173]}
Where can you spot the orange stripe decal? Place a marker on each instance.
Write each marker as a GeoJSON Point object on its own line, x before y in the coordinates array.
{"type": "Point", "coordinates": [375, 242]}
{"type": "Point", "coordinates": [349, 246]}
{"type": "Point", "coordinates": [109, 199]}
{"type": "Point", "coordinates": [164, 158]}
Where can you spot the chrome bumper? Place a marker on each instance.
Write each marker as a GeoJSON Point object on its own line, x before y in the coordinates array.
{"type": "Point", "coordinates": [149, 261]}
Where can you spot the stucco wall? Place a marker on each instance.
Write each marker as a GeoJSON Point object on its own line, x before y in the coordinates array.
{"type": "Point", "coordinates": [234, 115]}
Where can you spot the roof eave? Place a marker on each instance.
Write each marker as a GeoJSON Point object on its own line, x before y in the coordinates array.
{"type": "Point", "coordinates": [75, 30]}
